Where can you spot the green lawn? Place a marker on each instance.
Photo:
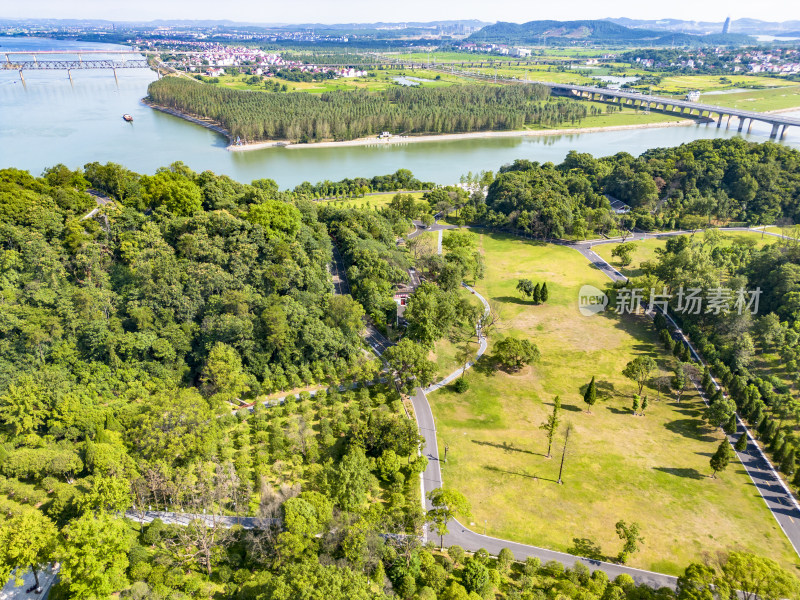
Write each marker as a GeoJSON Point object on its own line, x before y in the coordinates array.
{"type": "Point", "coordinates": [652, 470]}
{"type": "Point", "coordinates": [685, 83]}
{"type": "Point", "coordinates": [758, 100]}
{"type": "Point", "coordinates": [374, 201]}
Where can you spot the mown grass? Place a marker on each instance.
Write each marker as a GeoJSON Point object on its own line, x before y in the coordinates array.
{"type": "Point", "coordinates": [374, 201]}
{"type": "Point", "coordinates": [653, 470]}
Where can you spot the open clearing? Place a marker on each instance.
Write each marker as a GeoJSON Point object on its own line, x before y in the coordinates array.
{"type": "Point", "coordinates": [653, 469]}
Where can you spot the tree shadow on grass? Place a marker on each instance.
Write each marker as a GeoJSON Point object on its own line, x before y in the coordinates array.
{"type": "Point", "coordinates": [619, 411]}
{"type": "Point", "coordinates": [506, 447]}
{"type": "Point", "coordinates": [686, 473]}
{"type": "Point", "coordinates": [690, 428]}
{"type": "Point", "coordinates": [572, 408]}
{"type": "Point", "coordinates": [586, 548]}
{"type": "Point", "coordinates": [513, 300]}
{"type": "Point", "coordinates": [534, 476]}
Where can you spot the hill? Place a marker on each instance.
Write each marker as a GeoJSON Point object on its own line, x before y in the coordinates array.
{"type": "Point", "coordinates": [594, 31]}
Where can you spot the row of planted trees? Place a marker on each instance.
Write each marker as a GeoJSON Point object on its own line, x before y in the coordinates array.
{"type": "Point", "coordinates": [345, 115]}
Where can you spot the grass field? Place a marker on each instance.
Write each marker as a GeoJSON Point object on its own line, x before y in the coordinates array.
{"type": "Point", "coordinates": [646, 250]}
{"type": "Point", "coordinates": [652, 470]}
{"type": "Point", "coordinates": [374, 201]}
{"type": "Point", "coordinates": [703, 83]}
{"type": "Point", "coordinates": [758, 100]}
{"type": "Point", "coordinates": [382, 79]}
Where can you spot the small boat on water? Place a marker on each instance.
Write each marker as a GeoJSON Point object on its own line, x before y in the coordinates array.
{"type": "Point", "coordinates": [127, 117]}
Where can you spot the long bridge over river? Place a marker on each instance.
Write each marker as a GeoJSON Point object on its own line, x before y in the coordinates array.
{"type": "Point", "coordinates": [684, 107]}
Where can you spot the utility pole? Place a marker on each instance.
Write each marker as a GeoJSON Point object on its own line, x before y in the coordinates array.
{"type": "Point", "coordinates": [564, 453]}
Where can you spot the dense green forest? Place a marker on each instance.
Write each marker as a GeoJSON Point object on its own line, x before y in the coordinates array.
{"type": "Point", "coordinates": [135, 338]}
{"type": "Point", "coordinates": [705, 182]}
{"type": "Point", "coordinates": [346, 115]}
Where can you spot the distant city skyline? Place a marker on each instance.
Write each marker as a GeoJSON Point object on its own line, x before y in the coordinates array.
{"type": "Point", "coordinates": [364, 11]}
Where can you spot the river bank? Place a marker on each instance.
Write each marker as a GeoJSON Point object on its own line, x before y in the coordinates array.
{"type": "Point", "coordinates": [444, 137]}
{"type": "Point", "coordinates": [207, 123]}
{"type": "Point", "coordinates": [413, 139]}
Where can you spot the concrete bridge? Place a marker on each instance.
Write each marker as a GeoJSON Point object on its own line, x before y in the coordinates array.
{"type": "Point", "coordinates": [672, 105]}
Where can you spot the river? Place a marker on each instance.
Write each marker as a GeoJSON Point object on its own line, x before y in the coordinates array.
{"type": "Point", "coordinates": [51, 120]}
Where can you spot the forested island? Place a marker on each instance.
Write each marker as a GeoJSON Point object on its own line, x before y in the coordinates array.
{"type": "Point", "coordinates": [139, 341]}
{"type": "Point", "coordinates": [349, 115]}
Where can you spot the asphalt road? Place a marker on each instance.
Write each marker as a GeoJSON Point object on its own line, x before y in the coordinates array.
{"type": "Point", "coordinates": [376, 340]}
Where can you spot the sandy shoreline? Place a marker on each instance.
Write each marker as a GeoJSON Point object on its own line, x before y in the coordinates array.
{"type": "Point", "coordinates": [374, 141]}
{"type": "Point", "coordinates": [445, 137]}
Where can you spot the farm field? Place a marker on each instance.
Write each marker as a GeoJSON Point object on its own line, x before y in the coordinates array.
{"type": "Point", "coordinates": [653, 470]}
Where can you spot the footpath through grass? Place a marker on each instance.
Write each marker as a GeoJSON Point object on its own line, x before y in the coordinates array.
{"type": "Point", "coordinates": [653, 470]}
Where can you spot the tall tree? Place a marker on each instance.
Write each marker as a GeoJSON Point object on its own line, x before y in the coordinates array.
{"type": "Point", "coordinates": [409, 360]}
{"type": "Point", "coordinates": [631, 538]}
{"type": "Point", "coordinates": [590, 396]}
{"type": "Point", "coordinates": [27, 542]}
{"type": "Point", "coordinates": [550, 426]}
{"type": "Point", "coordinates": [567, 432]}
{"type": "Point", "coordinates": [639, 370]}
{"type": "Point", "coordinates": [543, 293]}
{"type": "Point", "coordinates": [94, 556]}
{"type": "Point", "coordinates": [721, 458]}
{"type": "Point", "coordinates": [679, 381]}
{"type": "Point", "coordinates": [447, 504]}
{"type": "Point", "coordinates": [525, 287]}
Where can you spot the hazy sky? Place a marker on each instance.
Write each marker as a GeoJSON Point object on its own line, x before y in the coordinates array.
{"type": "Point", "coordinates": [338, 11]}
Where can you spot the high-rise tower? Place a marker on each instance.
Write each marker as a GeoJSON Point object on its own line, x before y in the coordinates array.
{"type": "Point", "coordinates": [726, 26]}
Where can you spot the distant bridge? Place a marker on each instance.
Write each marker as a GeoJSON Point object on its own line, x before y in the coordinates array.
{"type": "Point", "coordinates": [684, 107]}
{"type": "Point", "coordinates": [51, 65]}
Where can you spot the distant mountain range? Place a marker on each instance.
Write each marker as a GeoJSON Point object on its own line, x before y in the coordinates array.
{"type": "Point", "coordinates": [594, 31]}
{"type": "Point", "coordinates": [745, 26]}
{"type": "Point", "coordinates": [208, 23]}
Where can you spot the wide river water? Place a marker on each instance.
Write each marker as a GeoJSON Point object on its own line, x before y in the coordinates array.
{"type": "Point", "coordinates": [51, 120]}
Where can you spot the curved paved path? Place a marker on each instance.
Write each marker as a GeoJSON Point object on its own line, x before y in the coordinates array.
{"type": "Point", "coordinates": [777, 496]}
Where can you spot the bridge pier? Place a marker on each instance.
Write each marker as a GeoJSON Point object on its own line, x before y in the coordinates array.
{"type": "Point", "coordinates": [774, 133]}
{"type": "Point", "coordinates": [783, 132]}
{"type": "Point", "coordinates": [750, 126]}
{"type": "Point", "coordinates": [719, 120]}
{"type": "Point", "coordinates": [741, 124]}
{"type": "Point", "coordinates": [115, 76]}
{"type": "Point", "coordinates": [69, 74]}
{"type": "Point", "coordinates": [22, 78]}
{"type": "Point", "coordinates": [728, 122]}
